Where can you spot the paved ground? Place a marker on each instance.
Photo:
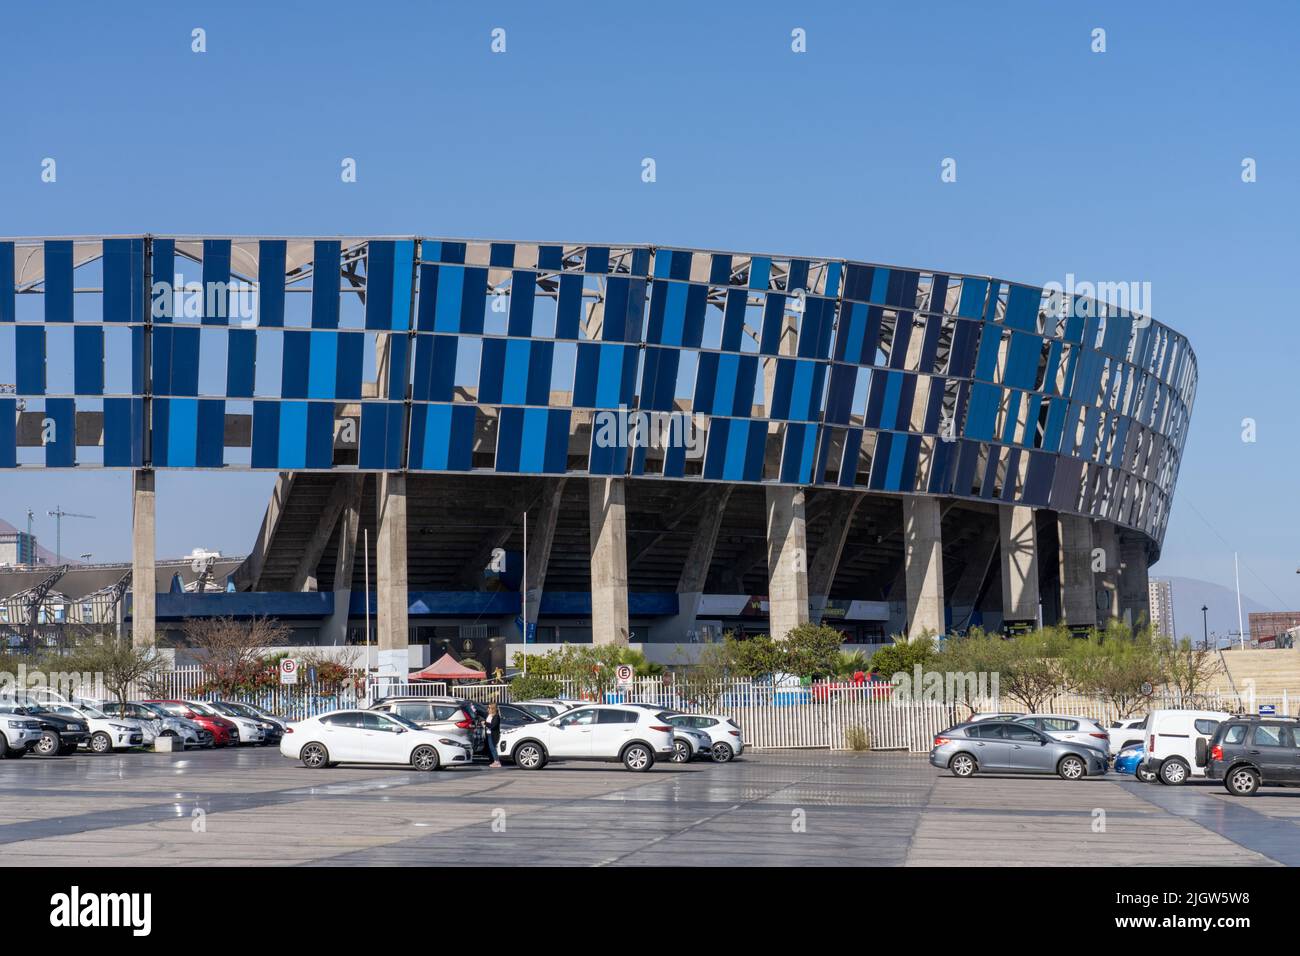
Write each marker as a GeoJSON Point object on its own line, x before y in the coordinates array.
{"type": "Point", "coordinates": [253, 807]}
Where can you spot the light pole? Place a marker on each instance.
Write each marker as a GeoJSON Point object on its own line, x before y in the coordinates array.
{"type": "Point", "coordinates": [1205, 623]}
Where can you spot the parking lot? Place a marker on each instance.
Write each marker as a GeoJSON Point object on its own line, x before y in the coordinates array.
{"type": "Point", "coordinates": [252, 807]}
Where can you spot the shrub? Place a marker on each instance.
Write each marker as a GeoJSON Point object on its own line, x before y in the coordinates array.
{"type": "Point", "coordinates": [857, 738]}
{"type": "Point", "coordinates": [532, 686]}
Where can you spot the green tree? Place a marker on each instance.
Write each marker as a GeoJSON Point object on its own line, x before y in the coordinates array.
{"type": "Point", "coordinates": [811, 650]}
{"type": "Point", "coordinates": [976, 660]}
{"type": "Point", "coordinates": [532, 685]}
{"type": "Point", "coordinates": [1034, 671]}
{"type": "Point", "coordinates": [903, 655]}
{"type": "Point", "coordinates": [755, 657]}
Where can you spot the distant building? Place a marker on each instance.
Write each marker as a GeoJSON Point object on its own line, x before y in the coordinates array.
{"type": "Point", "coordinates": [1269, 628]}
{"type": "Point", "coordinates": [1161, 595]}
{"type": "Point", "coordinates": [17, 547]}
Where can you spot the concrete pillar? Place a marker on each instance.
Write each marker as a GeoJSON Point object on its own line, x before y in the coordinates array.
{"type": "Point", "coordinates": [1134, 590]}
{"type": "Point", "coordinates": [608, 516]}
{"type": "Point", "coordinates": [1106, 587]}
{"type": "Point", "coordinates": [335, 630]}
{"type": "Point", "coordinates": [821, 575]}
{"type": "Point", "coordinates": [1078, 588]}
{"type": "Point", "coordinates": [923, 565]}
{"type": "Point", "coordinates": [1019, 545]}
{"type": "Point", "coordinates": [144, 585]}
{"type": "Point", "coordinates": [695, 569]}
{"type": "Point", "coordinates": [392, 599]}
{"type": "Point", "coordinates": [539, 548]}
{"type": "Point", "coordinates": [787, 561]}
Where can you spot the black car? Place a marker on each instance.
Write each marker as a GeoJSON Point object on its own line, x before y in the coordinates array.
{"type": "Point", "coordinates": [1249, 752]}
{"type": "Point", "coordinates": [60, 735]}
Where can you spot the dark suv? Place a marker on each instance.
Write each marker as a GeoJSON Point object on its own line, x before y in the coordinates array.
{"type": "Point", "coordinates": [1249, 752]}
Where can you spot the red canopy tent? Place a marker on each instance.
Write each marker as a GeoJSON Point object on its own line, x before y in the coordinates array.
{"type": "Point", "coordinates": [447, 668]}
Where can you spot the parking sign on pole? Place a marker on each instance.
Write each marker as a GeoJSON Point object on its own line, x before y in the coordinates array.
{"type": "Point", "coordinates": [624, 674]}
{"type": "Point", "coordinates": [289, 670]}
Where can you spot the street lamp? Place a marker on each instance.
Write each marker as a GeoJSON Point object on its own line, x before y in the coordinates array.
{"type": "Point", "coordinates": [1205, 624]}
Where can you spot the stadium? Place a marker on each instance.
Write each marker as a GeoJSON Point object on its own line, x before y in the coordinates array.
{"type": "Point", "coordinates": [485, 446]}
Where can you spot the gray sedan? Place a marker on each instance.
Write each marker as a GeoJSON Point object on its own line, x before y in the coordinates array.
{"type": "Point", "coordinates": [995, 746]}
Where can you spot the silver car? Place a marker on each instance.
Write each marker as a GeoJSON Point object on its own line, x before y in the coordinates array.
{"type": "Point", "coordinates": [995, 746]}
{"type": "Point", "coordinates": [1070, 729]}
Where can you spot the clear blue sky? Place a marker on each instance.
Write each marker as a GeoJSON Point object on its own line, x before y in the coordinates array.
{"type": "Point", "coordinates": [1118, 166]}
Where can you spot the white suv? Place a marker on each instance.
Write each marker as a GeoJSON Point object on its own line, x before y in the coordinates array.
{"type": "Point", "coordinates": [631, 735]}
{"type": "Point", "coordinates": [18, 734]}
{"type": "Point", "coordinates": [724, 733]}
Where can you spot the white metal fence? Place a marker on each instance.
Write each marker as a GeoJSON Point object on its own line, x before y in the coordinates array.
{"type": "Point", "coordinates": [826, 714]}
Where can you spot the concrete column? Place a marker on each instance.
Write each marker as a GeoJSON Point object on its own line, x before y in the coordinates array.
{"type": "Point", "coordinates": [821, 575]}
{"type": "Point", "coordinates": [1134, 592]}
{"type": "Point", "coordinates": [787, 561]}
{"type": "Point", "coordinates": [392, 599]}
{"type": "Point", "coordinates": [1019, 545]}
{"type": "Point", "coordinates": [1078, 588]}
{"type": "Point", "coordinates": [923, 565]}
{"type": "Point", "coordinates": [539, 548]}
{"type": "Point", "coordinates": [1106, 587]}
{"type": "Point", "coordinates": [695, 569]}
{"type": "Point", "coordinates": [144, 585]}
{"type": "Point", "coordinates": [335, 630]}
{"type": "Point", "coordinates": [608, 516]}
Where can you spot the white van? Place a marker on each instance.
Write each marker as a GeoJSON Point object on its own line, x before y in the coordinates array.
{"type": "Point", "coordinates": [1177, 742]}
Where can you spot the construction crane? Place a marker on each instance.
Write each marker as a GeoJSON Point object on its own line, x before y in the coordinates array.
{"type": "Point", "coordinates": [58, 514]}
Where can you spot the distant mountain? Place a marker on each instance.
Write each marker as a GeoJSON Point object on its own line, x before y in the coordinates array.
{"type": "Point", "coordinates": [1191, 593]}
{"type": "Point", "coordinates": [43, 554]}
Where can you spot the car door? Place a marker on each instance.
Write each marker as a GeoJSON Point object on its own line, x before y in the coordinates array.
{"type": "Point", "coordinates": [570, 734]}
{"type": "Point", "coordinates": [613, 729]}
{"type": "Point", "coordinates": [386, 740]}
{"type": "Point", "coordinates": [989, 745]}
{"type": "Point", "coordinates": [341, 736]}
{"type": "Point", "coordinates": [1270, 748]}
{"type": "Point", "coordinates": [1029, 750]}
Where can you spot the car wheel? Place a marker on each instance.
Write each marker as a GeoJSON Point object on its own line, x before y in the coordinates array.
{"type": "Point", "coordinates": [1242, 782]}
{"type": "Point", "coordinates": [101, 743]}
{"type": "Point", "coordinates": [681, 752]}
{"type": "Point", "coordinates": [314, 756]}
{"type": "Point", "coordinates": [424, 758]}
{"type": "Point", "coordinates": [1173, 772]}
{"type": "Point", "coordinates": [962, 765]}
{"type": "Point", "coordinates": [49, 744]}
{"type": "Point", "coordinates": [722, 753]}
{"type": "Point", "coordinates": [530, 756]}
{"type": "Point", "coordinates": [1071, 768]}
{"type": "Point", "coordinates": [639, 758]}
{"type": "Point", "coordinates": [1144, 776]}
{"type": "Point", "coordinates": [14, 754]}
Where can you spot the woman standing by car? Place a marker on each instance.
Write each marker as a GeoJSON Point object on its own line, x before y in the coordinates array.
{"type": "Point", "coordinates": [492, 727]}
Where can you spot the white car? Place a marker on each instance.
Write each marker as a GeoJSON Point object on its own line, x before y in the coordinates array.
{"type": "Point", "coordinates": [106, 733]}
{"type": "Point", "coordinates": [1126, 732]}
{"type": "Point", "coordinates": [1177, 744]}
{"type": "Point", "coordinates": [548, 707]}
{"type": "Point", "coordinates": [366, 736]}
{"type": "Point", "coordinates": [631, 735]}
{"type": "Point", "coordinates": [18, 734]}
{"type": "Point", "coordinates": [725, 739]}
{"type": "Point", "coordinates": [250, 731]}
{"type": "Point", "coordinates": [1070, 729]}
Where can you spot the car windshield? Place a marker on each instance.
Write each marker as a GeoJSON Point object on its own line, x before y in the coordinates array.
{"type": "Point", "coordinates": [154, 709]}
{"type": "Point", "coordinates": [223, 708]}
{"type": "Point", "coordinates": [242, 710]}
{"type": "Point", "coordinates": [90, 712]}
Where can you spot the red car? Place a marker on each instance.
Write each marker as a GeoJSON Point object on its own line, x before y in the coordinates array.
{"type": "Point", "coordinates": [224, 732]}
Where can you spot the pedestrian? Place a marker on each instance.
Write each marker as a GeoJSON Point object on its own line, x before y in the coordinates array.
{"type": "Point", "coordinates": [492, 726]}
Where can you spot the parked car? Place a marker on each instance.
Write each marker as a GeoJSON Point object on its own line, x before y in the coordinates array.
{"type": "Point", "coordinates": [1128, 759]}
{"type": "Point", "coordinates": [272, 730]}
{"type": "Point", "coordinates": [60, 735]}
{"type": "Point", "coordinates": [1178, 743]}
{"type": "Point", "coordinates": [367, 736]}
{"type": "Point", "coordinates": [1126, 732]}
{"type": "Point", "coordinates": [224, 732]}
{"type": "Point", "coordinates": [1076, 730]}
{"type": "Point", "coordinates": [164, 724]}
{"type": "Point", "coordinates": [725, 737]}
{"type": "Point", "coordinates": [1250, 752]}
{"type": "Point", "coordinates": [267, 715]}
{"type": "Point", "coordinates": [19, 732]}
{"type": "Point", "coordinates": [634, 736]}
{"type": "Point", "coordinates": [546, 708]}
{"type": "Point", "coordinates": [106, 733]}
{"type": "Point", "coordinates": [249, 731]}
{"type": "Point", "coordinates": [996, 746]}
{"type": "Point", "coordinates": [446, 715]}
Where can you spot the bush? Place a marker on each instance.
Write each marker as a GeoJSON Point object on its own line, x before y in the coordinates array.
{"type": "Point", "coordinates": [857, 738]}
{"type": "Point", "coordinates": [903, 656]}
{"type": "Point", "coordinates": [533, 686]}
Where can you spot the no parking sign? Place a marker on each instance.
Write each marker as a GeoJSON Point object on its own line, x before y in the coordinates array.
{"type": "Point", "coordinates": [289, 670]}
